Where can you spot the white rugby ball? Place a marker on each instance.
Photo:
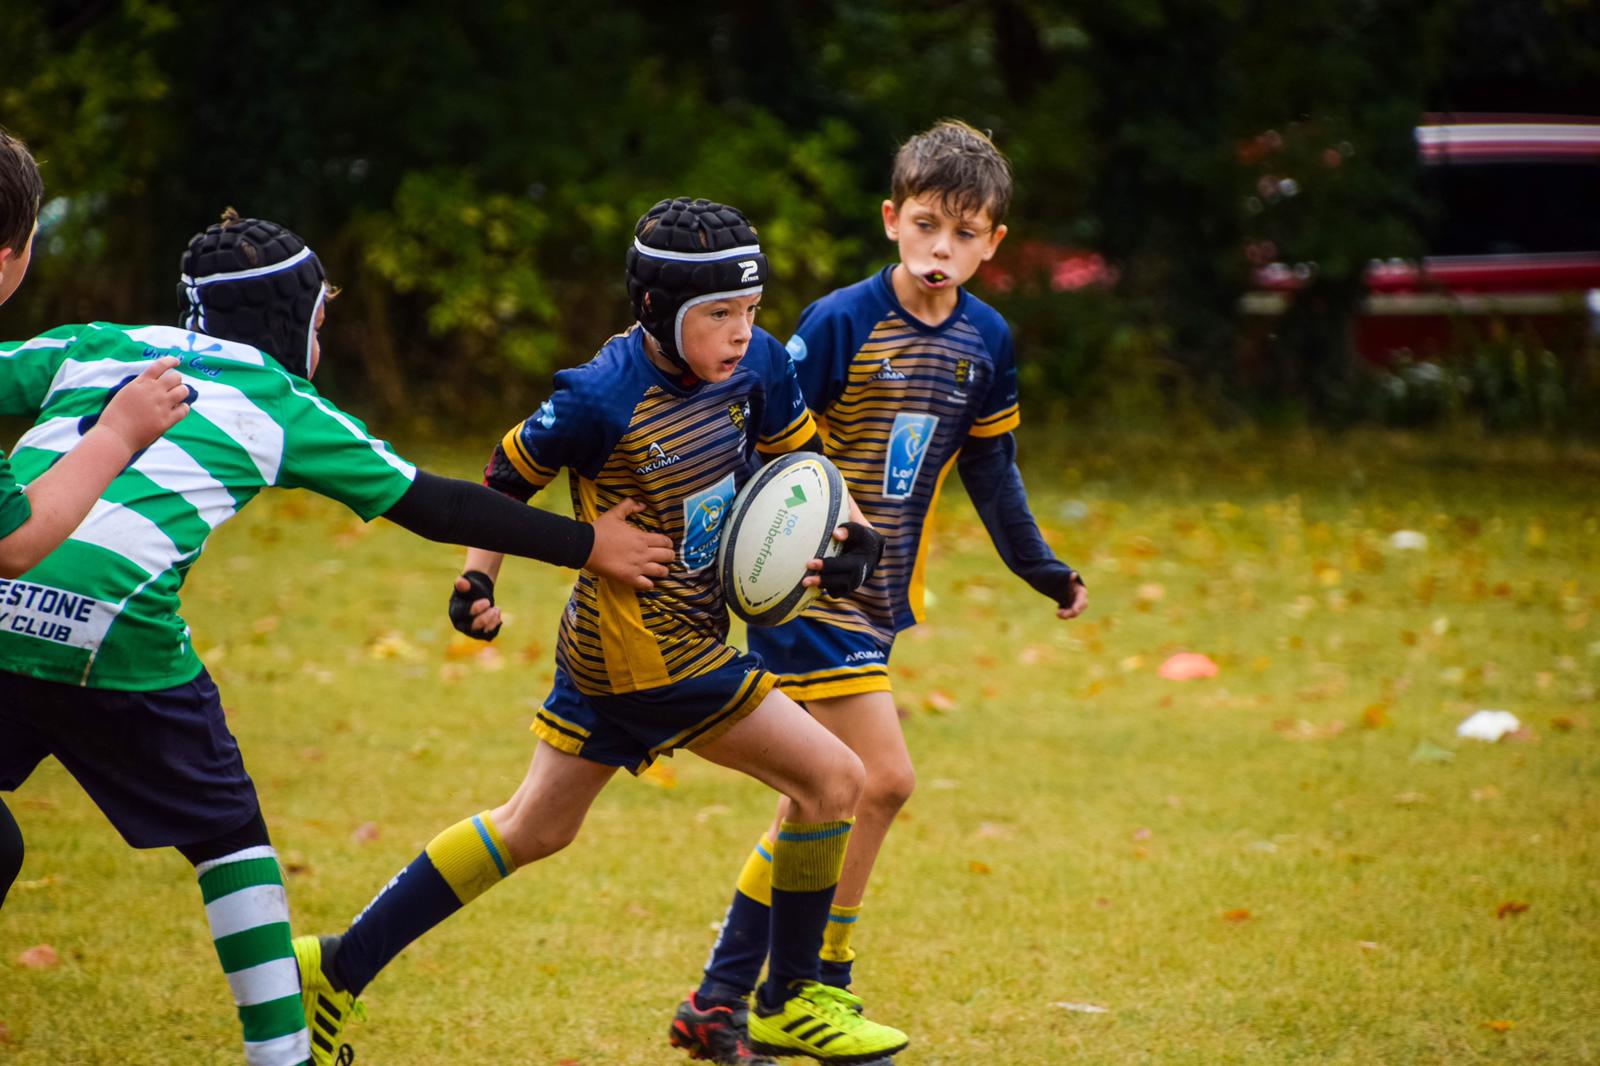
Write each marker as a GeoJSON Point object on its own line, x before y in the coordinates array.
{"type": "Point", "coordinates": [782, 519]}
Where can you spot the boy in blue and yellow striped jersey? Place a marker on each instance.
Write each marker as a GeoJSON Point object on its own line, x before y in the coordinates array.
{"type": "Point", "coordinates": [668, 414]}
{"type": "Point", "coordinates": [909, 375]}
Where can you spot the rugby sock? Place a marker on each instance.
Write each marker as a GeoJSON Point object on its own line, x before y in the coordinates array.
{"type": "Point", "coordinates": [741, 948]}
{"type": "Point", "coordinates": [806, 861]}
{"type": "Point", "coordinates": [249, 916]}
{"type": "Point", "coordinates": [837, 954]}
{"type": "Point", "coordinates": [457, 866]}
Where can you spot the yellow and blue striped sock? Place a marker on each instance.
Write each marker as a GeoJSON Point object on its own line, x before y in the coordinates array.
{"type": "Point", "coordinates": [741, 947]}
{"type": "Point", "coordinates": [457, 866]}
{"type": "Point", "coordinates": [837, 954]}
{"type": "Point", "coordinates": [807, 859]}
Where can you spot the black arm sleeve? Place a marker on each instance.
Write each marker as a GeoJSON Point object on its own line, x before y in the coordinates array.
{"type": "Point", "coordinates": [988, 467]}
{"type": "Point", "coordinates": [458, 512]}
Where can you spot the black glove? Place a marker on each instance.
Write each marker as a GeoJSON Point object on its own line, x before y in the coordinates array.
{"type": "Point", "coordinates": [461, 604]}
{"type": "Point", "coordinates": [857, 558]}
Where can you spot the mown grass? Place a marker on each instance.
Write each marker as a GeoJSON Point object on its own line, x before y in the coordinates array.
{"type": "Point", "coordinates": [1255, 868]}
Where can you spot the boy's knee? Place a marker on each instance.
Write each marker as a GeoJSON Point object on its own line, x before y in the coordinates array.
{"type": "Point", "coordinates": [842, 787]}
{"type": "Point", "coordinates": [530, 838]}
{"type": "Point", "coordinates": [888, 788]}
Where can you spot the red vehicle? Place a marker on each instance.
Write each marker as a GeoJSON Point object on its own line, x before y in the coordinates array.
{"type": "Point", "coordinates": [1513, 237]}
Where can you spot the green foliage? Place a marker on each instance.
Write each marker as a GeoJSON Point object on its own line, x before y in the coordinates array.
{"type": "Point", "coordinates": [471, 174]}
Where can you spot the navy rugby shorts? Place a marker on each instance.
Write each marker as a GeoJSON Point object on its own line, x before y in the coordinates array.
{"type": "Point", "coordinates": [633, 729]}
{"type": "Point", "coordinates": [817, 661]}
{"type": "Point", "coordinates": [162, 765]}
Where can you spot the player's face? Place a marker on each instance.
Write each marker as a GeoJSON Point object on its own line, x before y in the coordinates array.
{"type": "Point", "coordinates": [716, 335]}
{"type": "Point", "coordinates": [939, 251]}
{"type": "Point", "coordinates": [13, 265]}
{"type": "Point", "coordinates": [316, 340]}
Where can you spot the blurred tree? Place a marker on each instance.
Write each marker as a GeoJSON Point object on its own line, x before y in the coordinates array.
{"type": "Point", "coordinates": [470, 174]}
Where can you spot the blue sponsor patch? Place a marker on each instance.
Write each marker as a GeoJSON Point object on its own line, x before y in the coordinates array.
{"type": "Point", "coordinates": [702, 524]}
{"type": "Point", "coordinates": [797, 348]}
{"type": "Point", "coordinates": [908, 443]}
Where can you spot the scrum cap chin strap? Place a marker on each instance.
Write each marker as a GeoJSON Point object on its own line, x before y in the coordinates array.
{"type": "Point", "coordinates": [689, 252]}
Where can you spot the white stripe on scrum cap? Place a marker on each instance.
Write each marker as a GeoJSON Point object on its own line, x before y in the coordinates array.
{"type": "Point", "coordinates": [677, 325]}
{"type": "Point", "coordinates": [254, 272]}
{"type": "Point", "coordinates": [695, 257]}
{"type": "Point", "coordinates": [311, 327]}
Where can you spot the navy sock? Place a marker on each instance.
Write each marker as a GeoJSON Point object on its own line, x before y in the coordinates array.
{"type": "Point", "coordinates": [737, 957]}
{"type": "Point", "coordinates": [806, 860]}
{"type": "Point", "coordinates": [836, 974]}
{"type": "Point", "coordinates": [417, 899]}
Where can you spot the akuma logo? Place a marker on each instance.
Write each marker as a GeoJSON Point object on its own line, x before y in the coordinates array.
{"type": "Point", "coordinates": [656, 459]}
{"type": "Point", "coordinates": [887, 372]}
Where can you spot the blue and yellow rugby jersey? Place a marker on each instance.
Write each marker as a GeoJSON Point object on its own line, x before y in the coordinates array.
{"type": "Point", "coordinates": [624, 429]}
{"type": "Point", "coordinates": [896, 399]}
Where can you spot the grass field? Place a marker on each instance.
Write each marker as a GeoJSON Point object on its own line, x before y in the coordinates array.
{"type": "Point", "coordinates": [1295, 861]}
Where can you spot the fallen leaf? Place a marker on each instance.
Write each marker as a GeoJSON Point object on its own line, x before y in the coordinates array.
{"type": "Point", "coordinates": [294, 863]}
{"type": "Point", "coordinates": [705, 814]}
{"type": "Point", "coordinates": [1511, 906]}
{"type": "Point", "coordinates": [1375, 716]}
{"type": "Point", "coordinates": [48, 881]}
{"type": "Point", "coordinates": [1142, 833]}
{"type": "Point", "coordinates": [1410, 799]}
{"type": "Point", "coordinates": [1562, 724]}
{"type": "Point", "coordinates": [1500, 1025]}
{"type": "Point", "coordinates": [1367, 945]}
{"type": "Point", "coordinates": [660, 774]}
{"type": "Point", "coordinates": [1487, 792]}
{"type": "Point", "coordinates": [1081, 1008]}
{"type": "Point", "coordinates": [5, 1033]}
{"type": "Point", "coordinates": [939, 701]}
{"type": "Point", "coordinates": [979, 867]}
{"type": "Point", "coordinates": [365, 833]}
{"type": "Point", "coordinates": [1238, 914]}
{"type": "Point", "coordinates": [393, 645]}
{"type": "Point", "coordinates": [1188, 666]}
{"type": "Point", "coordinates": [992, 831]}
{"type": "Point", "coordinates": [39, 957]}
{"type": "Point", "coordinates": [1301, 729]}
{"type": "Point", "coordinates": [1428, 751]}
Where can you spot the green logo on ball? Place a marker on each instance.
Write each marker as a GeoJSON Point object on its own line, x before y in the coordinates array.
{"type": "Point", "coordinates": [796, 498]}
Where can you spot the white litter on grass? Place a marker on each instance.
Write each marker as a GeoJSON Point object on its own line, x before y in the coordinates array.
{"type": "Point", "coordinates": [1082, 1008]}
{"type": "Point", "coordinates": [1408, 540]}
{"type": "Point", "coordinates": [1488, 726]}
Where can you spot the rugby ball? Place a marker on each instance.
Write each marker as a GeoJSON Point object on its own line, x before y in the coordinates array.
{"type": "Point", "coordinates": [782, 519]}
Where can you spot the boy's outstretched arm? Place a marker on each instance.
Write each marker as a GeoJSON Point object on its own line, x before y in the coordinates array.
{"type": "Point", "coordinates": [59, 499]}
{"type": "Point", "coordinates": [458, 512]}
{"type": "Point", "coordinates": [988, 467]}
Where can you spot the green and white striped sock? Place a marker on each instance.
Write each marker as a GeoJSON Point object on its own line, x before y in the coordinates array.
{"type": "Point", "coordinates": [249, 915]}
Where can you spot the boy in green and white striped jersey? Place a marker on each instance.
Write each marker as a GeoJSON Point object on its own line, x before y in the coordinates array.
{"type": "Point", "coordinates": [36, 521]}
{"type": "Point", "coordinates": [97, 667]}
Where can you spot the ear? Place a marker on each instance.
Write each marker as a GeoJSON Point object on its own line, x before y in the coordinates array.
{"type": "Point", "coordinates": [6, 255]}
{"type": "Point", "coordinates": [647, 301]}
{"type": "Point", "coordinates": [994, 242]}
{"type": "Point", "coordinates": [891, 221]}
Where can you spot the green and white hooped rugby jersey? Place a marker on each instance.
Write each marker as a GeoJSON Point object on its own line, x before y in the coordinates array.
{"type": "Point", "coordinates": [102, 610]}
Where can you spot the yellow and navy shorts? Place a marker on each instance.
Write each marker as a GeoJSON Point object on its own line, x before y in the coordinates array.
{"type": "Point", "coordinates": [818, 661]}
{"type": "Point", "coordinates": [632, 729]}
